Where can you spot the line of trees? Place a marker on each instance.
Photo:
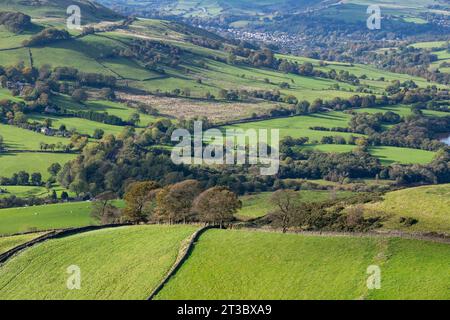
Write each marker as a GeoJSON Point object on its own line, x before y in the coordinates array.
{"type": "Point", "coordinates": [22, 178]}
{"type": "Point", "coordinates": [183, 202]}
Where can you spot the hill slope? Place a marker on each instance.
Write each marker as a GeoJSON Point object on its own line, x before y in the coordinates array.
{"type": "Point", "coordinates": [213, 8]}
{"type": "Point", "coordinates": [430, 205]}
{"type": "Point", "coordinates": [259, 265]}
{"type": "Point", "coordinates": [124, 263]}
{"type": "Point", "coordinates": [56, 9]}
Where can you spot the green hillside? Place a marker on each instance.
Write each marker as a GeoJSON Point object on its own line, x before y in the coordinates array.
{"type": "Point", "coordinates": [430, 205]}
{"type": "Point", "coordinates": [259, 265]}
{"type": "Point", "coordinates": [8, 243]}
{"type": "Point", "coordinates": [46, 217]}
{"type": "Point", "coordinates": [213, 8]}
{"type": "Point", "coordinates": [124, 263]}
{"type": "Point", "coordinates": [13, 162]}
{"type": "Point", "coordinates": [258, 205]}
{"type": "Point", "coordinates": [56, 9]}
{"type": "Point", "coordinates": [179, 90]}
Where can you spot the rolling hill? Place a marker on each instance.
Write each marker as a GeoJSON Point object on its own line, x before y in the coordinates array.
{"type": "Point", "coordinates": [178, 85]}
{"type": "Point", "coordinates": [129, 262]}
{"type": "Point", "coordinates": [429, 205]}
{"type": "Point", "coordinates": [52, 10]}
{"type": "Point", "coordinates": [8, 243]}
{"type": "Point", "coordinates": [235, 265]}
{"type": "Point", "coordinates": [213, 8]}
{"type": "Point", "coordinates": [124, 263]}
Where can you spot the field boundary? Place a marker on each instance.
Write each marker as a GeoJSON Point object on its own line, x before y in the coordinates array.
{"type": "Point", "coordinates": [439, 238]}
{"type": "Point", "coordinates": [55, 234]}
{"type": "Point", "coordinates": [180, 260]}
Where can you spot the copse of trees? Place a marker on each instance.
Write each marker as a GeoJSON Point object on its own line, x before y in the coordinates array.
{"type": "Point", "coordinates": [415, 132]}
{"type": "Point", "coordinates": [182, 202]}
{"type": "Point", "coordinates": [46, 36]}
{"type": "Point", "coordinates": [174, 203]}
{"type": "Point", "coordinates": [102, 117]}
{"type": "Point", "coordinates": [79, 95]}
{"type": "Point", "coordinates": [291, 213]}
{"type": "Point", "coordinates": [410, 60]}
{"type": "Point", "coordinates": [96, 80]}
{"type": "Point", "coordinates": [15, 21]}
{"type": "Point", "coordinates": [217, 205]}
{"type": "Point", "coordinates": [22, 178]}
{"type": "Point", "coordinates": [152, 53]}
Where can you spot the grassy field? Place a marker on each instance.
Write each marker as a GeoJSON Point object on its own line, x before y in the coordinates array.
{"type": "Point", "coordinates": [402, 110]}
{"type": "Point", "coordinates": [258, 205]}
{"type": "Point", "coordinates": [430, 205]}
{"type": "Point", "coordinates": [11, 40]}
{"type": "Point", "coordinates": [21, 139]}
{"type": "Point", "coordinates": [11, 163]}
{"type": "Point", "coordinates": [23, 191]}
{"type": "Point", "coordinates": [31, 191]}
{"type": "Point", "coordinates": [12, 57]}
{"type": "Point", "coordinates": [373, 74]}
{"type": "Point", "coordinates": [113, 108]}
{"type": "Point", "coordinates": [429, 44]}
{"type": "Point", "coordinates": [414, 270]}
{"type": "Point", "coordinates": [389, 155]}
{"type": "Point", "coordinates": [257, 265]}
{"type": "Point", "coordinates": [82, 126]}
{"type": "Point", "coordinates": [124, 263]}
{"type": "Point", "coordinates": [299, 127]}
{"type": "Point", "coordinates": [8, 243]}
{"type": "Point", "coordinates": [46, 217]}
{"type": "Point", "coordinates": [92, 12]}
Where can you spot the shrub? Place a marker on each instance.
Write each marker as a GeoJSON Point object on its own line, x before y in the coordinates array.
{"type": "Point", "coordinates": [408, 221]}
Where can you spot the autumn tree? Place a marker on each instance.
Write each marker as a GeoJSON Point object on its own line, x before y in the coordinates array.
{"type": "Point", "coordinates": [139, 198]}
{"type": "Point", "coordinates": [287, 204]}
{"type": "Point", "coordinates": [217, 205]}
{"type": "Point", "coordinates": [162, 213]}
{"type": "Point", "coordinates": [174, 204]}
